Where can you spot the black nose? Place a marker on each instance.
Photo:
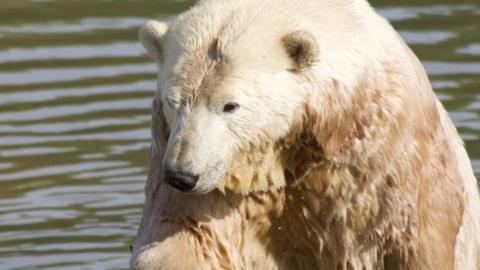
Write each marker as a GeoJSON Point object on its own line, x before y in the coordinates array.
{"type": "Point", "coordinates": [181, 181]}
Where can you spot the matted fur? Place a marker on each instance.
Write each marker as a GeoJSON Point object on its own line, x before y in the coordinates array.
{"type": "Point", "coordinates": [367, 172]}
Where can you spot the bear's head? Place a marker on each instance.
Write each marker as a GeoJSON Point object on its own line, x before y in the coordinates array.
{"type": "Point", "coordinates": [235, 105]}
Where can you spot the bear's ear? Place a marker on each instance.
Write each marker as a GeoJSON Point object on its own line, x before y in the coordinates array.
{"type": "Point", "coordinates": [302, 47]}
{"type": "Point", "coordinates": [152, 37]}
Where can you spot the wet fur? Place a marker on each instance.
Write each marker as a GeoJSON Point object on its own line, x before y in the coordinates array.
{"type": "Point", "coordinates": [332, 213]}
{"type": "Point", "coordinates": [374, 179]}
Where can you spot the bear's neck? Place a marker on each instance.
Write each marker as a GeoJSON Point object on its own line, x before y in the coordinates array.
{"type": "Point", "coordinates": [326, 215]}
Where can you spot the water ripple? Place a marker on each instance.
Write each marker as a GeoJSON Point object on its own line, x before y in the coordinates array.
{"type": "Point", "coordinates": [119, 49]}
{"type": "Point", "coordinates": [62, 111]}
{"type": "Point", "coordinates": [86, 24]}
{"type": "Point", "coordinates": [71, 74]}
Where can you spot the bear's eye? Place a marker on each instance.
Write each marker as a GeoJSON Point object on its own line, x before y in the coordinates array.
{"type": "Point", "coordinates": [230, 107]}
{"type": "Point", "coordinates": [173, 103]}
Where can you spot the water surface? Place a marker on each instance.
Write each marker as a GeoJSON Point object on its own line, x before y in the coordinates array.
{"type": "Point", "coordinates": [75, 90]}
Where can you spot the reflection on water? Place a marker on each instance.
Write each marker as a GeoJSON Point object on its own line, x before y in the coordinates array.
{"type": "Point", "coordinates": [75, 91]}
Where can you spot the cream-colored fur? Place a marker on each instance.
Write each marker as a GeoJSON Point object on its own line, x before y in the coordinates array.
{"type": "Point", "coordinates": [339, 155]}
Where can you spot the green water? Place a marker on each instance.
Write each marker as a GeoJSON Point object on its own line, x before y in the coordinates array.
{"type": "Point", "coordinates": [75, 91]}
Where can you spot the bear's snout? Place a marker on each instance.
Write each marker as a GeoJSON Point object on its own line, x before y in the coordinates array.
{"type": "Point", "coordinates": [181, 181]}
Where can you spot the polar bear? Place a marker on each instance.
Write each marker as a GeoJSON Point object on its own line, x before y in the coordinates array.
{"type": "Point", "coordinates": [300, 135]}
